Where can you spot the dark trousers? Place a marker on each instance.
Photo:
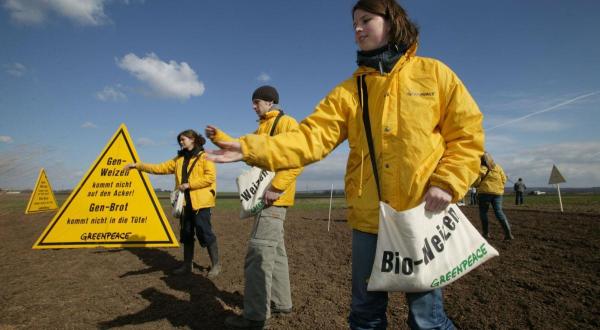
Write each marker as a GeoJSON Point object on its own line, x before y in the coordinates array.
{"type": "Point", "coordinates": [518, 198]}
{"type": "Point", "coordinates": [484, 204]}
{"type": "Point", "coordinates": [196, 222]}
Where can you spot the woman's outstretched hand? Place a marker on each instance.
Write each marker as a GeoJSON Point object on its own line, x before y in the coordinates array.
{"type": "Point", "coordinates": [210, 131]}
{"type": "Point", "coordinates": [230, 152]}
{"type": "Point", "coordinates": [129, 166]}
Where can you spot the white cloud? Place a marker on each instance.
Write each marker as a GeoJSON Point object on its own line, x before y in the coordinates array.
{"type": "Point", "coordinates": [110, 93]}
{"type": "Point", "coordinates": [27, 12]}
{"type": "Point", "coordinates": [226, 175]}
{"type": "Point", "coordinates": [15, 69]}
{"type": "Point", "coordinates": [554, 107]}
{"type": "Point", "coordinates": [31, 12]}
{"type": "Point", "coordinates": [499, 139]}
{"type": "Point", "coordinates": [18, 169]}
{"type": "Point", "coordinates": [88, 124]}
{"type": "Point", "coordinates": [321, 175]}
{"type": "Point", "coordinates": [541, 125]}
{"type": "Point", "coordinates": [517, 103]}
{"type": "Point", "coordinates": [145, 142]}
{"type": "Point", "coordinates": [6, 139]}
{"type": "Point", "coordinates": [167, 80]}
{"type": "Point", "coordinates": [534, 125]}
{"type": "Point", "coordinates": [85, 12]}
{"type": "Point", "coordinates": [263, 77]}
{"type": "Point", "coordinates": [500, 142]}
{"type": "Point", "coordinates": [578, 162]}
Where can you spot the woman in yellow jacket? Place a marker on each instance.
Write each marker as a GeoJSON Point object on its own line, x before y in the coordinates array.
{"type": "Point", "coordinates": [490, 188]}
{"type": "Point", "coordinates": [427, 136]}
{"type": "Point", "coordinates": [196, 177]}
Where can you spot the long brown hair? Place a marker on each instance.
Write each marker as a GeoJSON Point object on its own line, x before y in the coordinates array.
{"type": "Point", "coordinates": [199, 140]}
{"type": "Point", "coordinates": [402, 30]}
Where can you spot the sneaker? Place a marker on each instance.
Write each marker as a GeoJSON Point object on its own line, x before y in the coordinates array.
{"type": "Point", "coordinates": [214, 271]}
{"type": "Point", "coordinates": [282, 311]}
{"type": "Point", "coordinates": [240, 322]}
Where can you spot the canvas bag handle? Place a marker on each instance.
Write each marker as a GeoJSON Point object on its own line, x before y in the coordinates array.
{"type": "Point", "coordinates": [272, 132]}
{"type": "Point", "coordinates": [191, 167]}
{"type": "Point", "coordinates": [363, 97]}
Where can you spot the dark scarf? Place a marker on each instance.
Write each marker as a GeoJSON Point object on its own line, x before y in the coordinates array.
{"type": "Point", "coordinates": [382, 59]}
{"type": "Point", "coordinates": [187, 155]}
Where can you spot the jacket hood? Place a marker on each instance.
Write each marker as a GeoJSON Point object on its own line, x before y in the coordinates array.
{"type": "Point", "coordinates": [269, 115]}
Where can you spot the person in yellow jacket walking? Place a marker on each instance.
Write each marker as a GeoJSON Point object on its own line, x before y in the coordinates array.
{"type": "Point", "coordinates": [267, 284]}
{"type": "Point", "coordinates": [490, 189]}
{"type": "Point", "coordinates": [427, 136]}
{"type": "Point", "coordinates": [197, 178]}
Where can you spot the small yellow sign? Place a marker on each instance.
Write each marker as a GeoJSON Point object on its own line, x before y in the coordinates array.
{"type": "Point", "coordinates": [42, 199]}
{"type": "Point", "coordinates": [110, 207]}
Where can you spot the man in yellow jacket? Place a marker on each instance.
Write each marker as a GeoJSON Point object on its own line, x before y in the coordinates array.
{"type": "Point", "coordinates": [267, 284]}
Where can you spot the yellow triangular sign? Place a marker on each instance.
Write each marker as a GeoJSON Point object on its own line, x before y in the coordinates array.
{"type": "Point", "coordinates": [42, 199]}
{"type": "Point", "coordinates": [555, 176]}
{"type": "Point", "coordinates": [110, 207]}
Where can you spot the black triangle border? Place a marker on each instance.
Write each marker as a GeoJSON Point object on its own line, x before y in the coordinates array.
{"type": "Point", "coordinates": [170, 239]}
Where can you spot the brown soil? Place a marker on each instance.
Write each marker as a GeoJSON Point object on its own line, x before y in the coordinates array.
{"type": "Point", "coordinates": [545, 279]}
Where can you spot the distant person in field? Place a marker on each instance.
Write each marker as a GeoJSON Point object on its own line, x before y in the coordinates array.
{"type": "Point", "coordinates": [519, 188]}
{"type": "Point", "coordinates": [427, 141]}
{"type": "Point", "coordinates": [490, 189]}
{"type": "Point", "coordinates": [267, 284]}
{"type": "Point", "coordinates": [197, 178]}
{"type": "Point", "coordinates": [472, 196]}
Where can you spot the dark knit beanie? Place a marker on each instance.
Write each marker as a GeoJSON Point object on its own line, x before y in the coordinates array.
{"type": "Point", "coordinates": [266, 93]}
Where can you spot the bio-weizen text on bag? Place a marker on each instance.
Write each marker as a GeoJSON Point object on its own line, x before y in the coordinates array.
{"type": "Point", "coordinates": [420, 251]}
{"type": "Point", "coordinates": [252, 184]}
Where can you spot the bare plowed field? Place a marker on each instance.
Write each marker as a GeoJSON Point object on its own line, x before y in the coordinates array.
{"type": "Point", "coordinates": [545, 279]}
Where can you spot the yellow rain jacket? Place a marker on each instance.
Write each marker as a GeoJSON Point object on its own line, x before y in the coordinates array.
{"type": "Point", "coordinates": [426, 131]}
{"type": "Point", "coordinates": [202, 178]}
{"type": "Point", "coordinates": [284, 180]}
{"type": "Point", "coordinates": [492, 183]}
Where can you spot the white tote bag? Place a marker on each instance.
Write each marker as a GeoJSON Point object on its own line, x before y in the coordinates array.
{"type": "Point", "coordinates": [177, 198]}
{"type": "Point", "coordinates": [419, 251]}
{"type": "Point", "coordinates": [252, 185]}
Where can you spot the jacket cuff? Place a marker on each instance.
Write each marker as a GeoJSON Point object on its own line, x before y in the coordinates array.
{"type": "Point", "coordinates": [218, 136]}
{"type": "Point", "coordinates": [448, 188]}
{"type": "Point", "coordinates": [277, 186]}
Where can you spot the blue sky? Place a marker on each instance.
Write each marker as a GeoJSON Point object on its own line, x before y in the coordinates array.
{"type": "Point", "coordinates": [71, 71]}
